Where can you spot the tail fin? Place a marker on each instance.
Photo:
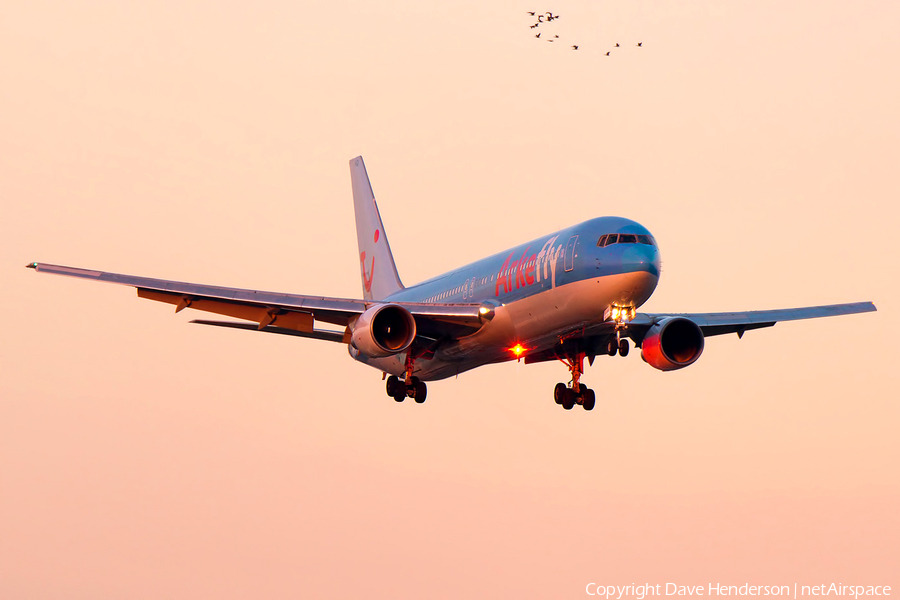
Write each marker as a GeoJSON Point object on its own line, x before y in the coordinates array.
{"type": "Point", "coordinates": [379, 273]}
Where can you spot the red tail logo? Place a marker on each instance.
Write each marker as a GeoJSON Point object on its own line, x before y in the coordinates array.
{"type": "Point", "coordinates": [367, 279]}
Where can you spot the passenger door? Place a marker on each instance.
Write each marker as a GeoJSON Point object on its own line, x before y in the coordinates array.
{"type": "Point", "coordinates": [570, 253]}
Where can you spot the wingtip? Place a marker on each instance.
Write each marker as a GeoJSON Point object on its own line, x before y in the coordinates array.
{"type": "Point", "coordinates": [31, 265]}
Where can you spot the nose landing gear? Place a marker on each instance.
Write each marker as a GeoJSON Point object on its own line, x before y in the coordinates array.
{"type": "Point", "coordinates": [617, 346]}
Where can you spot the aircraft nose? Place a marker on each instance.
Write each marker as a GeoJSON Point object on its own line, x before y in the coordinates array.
{"type": "Point", "coordinates": [642, 257]}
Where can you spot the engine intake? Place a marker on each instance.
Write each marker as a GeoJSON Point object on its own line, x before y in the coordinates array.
{"type": "Point", "coordinates": [383, 330]}
{"type": "Point", "coordinates": [672, 343]}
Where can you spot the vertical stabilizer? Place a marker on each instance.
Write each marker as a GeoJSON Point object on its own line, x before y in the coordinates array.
{"type": "Point", "coordinates": [379, 273]}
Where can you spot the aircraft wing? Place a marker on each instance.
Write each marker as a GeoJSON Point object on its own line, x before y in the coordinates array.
{"type": "Point", "coordinates": [739, 322]}
{"type": "Point", "coordinates": [592, 338]}
{"type": "Point", "coordinates": [277, 312]}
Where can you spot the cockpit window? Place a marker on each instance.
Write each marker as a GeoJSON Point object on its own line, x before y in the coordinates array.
{"type": "Point", "coordinates": [625, 238]}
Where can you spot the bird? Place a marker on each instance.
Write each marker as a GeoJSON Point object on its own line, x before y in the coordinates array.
{"type": "Point", "coordinates": [533, 26]}
{"type": "Point", "coordinates": [531, 12]}
{"type": "Point", "coordinates": [607, 53]}
{"type": "Point", "coordinates": [556, 36]}
{"type": "Point", "coordinates": [639, 44]}
{"type": "Point", "coordinates": [617, 44]}
{"type": "Point", "coordinates": [540, 18]}
{"type": "Point", "coordinates": [538, 35]}
{"type": "Point", "coordinates": [574, 47]}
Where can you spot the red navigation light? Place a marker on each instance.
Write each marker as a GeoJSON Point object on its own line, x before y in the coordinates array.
{"type": "Point", "coordinates": [518, 350]}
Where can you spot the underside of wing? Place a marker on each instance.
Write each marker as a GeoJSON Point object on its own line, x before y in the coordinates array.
{"type": "Point", "coordinates": [739, 322]}
{"type": "Point", "coordinates": [316, 334]}
{"type": "Point", "coordinates": [277, 312]}
{"type": "Point", "coordinates": [593, 339]}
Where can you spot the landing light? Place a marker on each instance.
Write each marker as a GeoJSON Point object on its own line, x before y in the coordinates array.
{"type": "Point", "coordinates": [518, 350]}
{"type": "Point", "coordinates": [619, 314]}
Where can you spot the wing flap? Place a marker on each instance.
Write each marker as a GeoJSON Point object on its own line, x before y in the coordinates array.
{"type": "Point", "coordinates": [318, 334]}
{"type": "Point", "coordinates": [264, 315]}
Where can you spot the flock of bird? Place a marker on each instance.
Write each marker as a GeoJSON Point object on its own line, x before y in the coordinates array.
{"type": "Point", "coordinates": [549, 17]}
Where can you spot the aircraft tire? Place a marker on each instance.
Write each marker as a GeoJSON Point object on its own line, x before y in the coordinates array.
{"type": "Point", "coordinates": [421, 392]}
{"type": "Point", "coordinates": [623, 347]}
{"type": "Point", "coordinates": [559, 392]}
{"type": "Point", "coordinates": [612, 347]}
{"type": "Point", "coordinates": [568, 399]}
{"type": "Point", "coordinates": [589, 399]}
{"type": "Point", "coordinates": [392, 386]}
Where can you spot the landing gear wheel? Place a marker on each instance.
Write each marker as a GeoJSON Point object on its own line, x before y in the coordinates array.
{"type": "Point", "coordinates": [623, 347]}
{"type": "Point", "coordinates": [393, 386]}
{"type": "Point", "coordinates": [421, 392]}
{"type": "Point", "coordinates": [589, 399]}
{"type": "Point", "coordinates": [568, 399]}
{"type": "Point", "coordinates": [559, 392]}
{"type": "Point", "coordinates": [400, 395]}
{"type": "Point", "coordinates": [612, 347]}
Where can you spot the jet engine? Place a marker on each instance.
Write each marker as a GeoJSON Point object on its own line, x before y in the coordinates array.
{"type": "Point", "coordinates": [672, 343]}
{"type": "Point", "coordinates": [383, 330]}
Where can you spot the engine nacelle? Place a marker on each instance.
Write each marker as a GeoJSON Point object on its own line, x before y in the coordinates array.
{"type": "Point", "coordinates": [672, 343]}
{"type": "Point", "coordinates": [383, 330]}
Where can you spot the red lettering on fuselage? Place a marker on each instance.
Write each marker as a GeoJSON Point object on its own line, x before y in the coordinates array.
{"type": "Point", "coordinates": [529, 269]}
{"type": "Point", "coordinates": [519, 271]}
{"type": "Point", "coordinates": [502, 277]}
{"type": "Point", "coordinates": [520, 279]}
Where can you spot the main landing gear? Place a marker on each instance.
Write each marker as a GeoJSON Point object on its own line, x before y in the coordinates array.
{"type": "Point", "coordinates": [579, 393]}
{"type": "Point", "coordinates": [399, 389]}
{"type": "Point", "coordinates": [576, 392]}
{"type": "Point", "coordinates": [410, 386]}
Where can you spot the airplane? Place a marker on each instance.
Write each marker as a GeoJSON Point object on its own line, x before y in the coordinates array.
{"type": "Point", "coordinates": [570, 296]}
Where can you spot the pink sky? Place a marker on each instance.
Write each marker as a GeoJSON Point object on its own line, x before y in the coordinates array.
{"type": "Point", "coordinates": [143, 457]}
